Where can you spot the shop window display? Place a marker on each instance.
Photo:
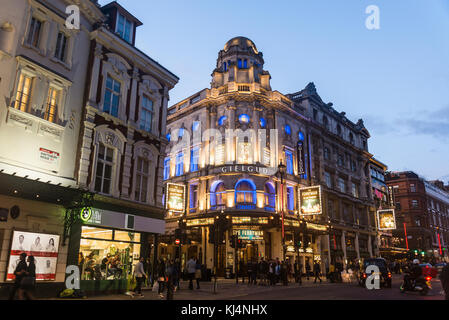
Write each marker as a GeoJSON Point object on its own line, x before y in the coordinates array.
{"type": "Point", "coordinates": [108, 254]}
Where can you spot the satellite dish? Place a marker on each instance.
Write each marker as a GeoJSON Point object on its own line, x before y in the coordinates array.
{"type": "Point", "coordinates": [15, 212]}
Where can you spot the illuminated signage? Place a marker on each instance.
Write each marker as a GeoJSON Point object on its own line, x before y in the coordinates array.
{"type": "Point", "coordinates": [251, 235]}
{"type": "Point", "coordinates": [86, 214]}
{"type": "Point", "coordinates": [175, 197]}
{"type": "Point", "coordinates": [301, 167]}
{"type": "Point", "coordinates": [386, 219]}
{"type": "Point", "coordinates": [310, 201]}
{"type": "Point", "coordinates": [247, 169]}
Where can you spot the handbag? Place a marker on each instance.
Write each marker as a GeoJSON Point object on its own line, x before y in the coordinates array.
{"type": "Point", "coordinates": [27, 282]}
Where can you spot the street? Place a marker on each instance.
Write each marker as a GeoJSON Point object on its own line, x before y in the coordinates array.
{"type": "Point", "coordinates": [228, 290]}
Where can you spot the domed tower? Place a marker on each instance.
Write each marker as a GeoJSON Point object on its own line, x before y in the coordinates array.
{"type": "Point", "coordinates": [240, 62]}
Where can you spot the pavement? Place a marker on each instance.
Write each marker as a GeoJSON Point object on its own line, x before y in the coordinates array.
{"type": "Point", "coordinates": [227, 289]}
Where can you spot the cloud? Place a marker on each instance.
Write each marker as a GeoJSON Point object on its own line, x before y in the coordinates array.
{"type": "Point", "coordinates": [434, 123]}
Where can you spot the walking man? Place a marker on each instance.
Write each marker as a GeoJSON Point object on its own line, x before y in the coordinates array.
{"type": "Point", "coordinates": [317, 271]}
{"type": "Point", "coordinates": [191, 269]}
{"type": "Point", "coordinates": [139, 273]}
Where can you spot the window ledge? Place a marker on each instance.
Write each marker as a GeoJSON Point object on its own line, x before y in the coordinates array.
{"type": "Point", "coordinates": [33, 123]}
{"type": "Point", "coordinates": [62, 63]}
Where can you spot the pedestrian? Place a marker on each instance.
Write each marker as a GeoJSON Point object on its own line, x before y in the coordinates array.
{"type": "Point", "coordinates": [169, 273]}
{"type": "Point", "coordinates": [198, 274]}
{"type": "Point", "coordinates": [444, 277]}
{"type": "Point", "coordinates": [284, 273]}
{"type": "Point", "coordinates": [277, 271]}
{"type": "Point", "coordinates": [264, 272]}
{"type": "Point", "coordinates": [191, 269]}
{"type": "Point", "coordinates": [308, 269]}
{"type": "Point", "coordinates": [161, 277]}
{"type": "Point", "coordinates": [19, 273]}
{"type": "Point", "coordinates": [28, 282]}
{"type": "Point", "coordinates": [317, 271]}
{"type": "Point", "coordinates": [139, 273]}
{"type": "Point", "coordinates": [271, 273]}
{"type": "Point", "coordinates": [177, 275]}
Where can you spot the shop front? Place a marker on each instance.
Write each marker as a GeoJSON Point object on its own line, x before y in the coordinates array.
{"type": "Point", "coordinates": [107, 245]}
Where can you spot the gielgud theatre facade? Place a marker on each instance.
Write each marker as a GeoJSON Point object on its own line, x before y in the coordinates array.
{"type": "Point", "coordinates": [241, 158]}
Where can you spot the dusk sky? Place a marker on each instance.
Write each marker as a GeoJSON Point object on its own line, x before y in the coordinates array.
{"type": "Point", "coordinates": [395, 78]}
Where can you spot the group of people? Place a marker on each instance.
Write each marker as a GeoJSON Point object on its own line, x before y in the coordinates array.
{"type": "Point", "coordinates": [272, 272]}
{"type": "Point", "coordinates": [25, 278]}
{"type": "Point", "coordinates": [110, 266]}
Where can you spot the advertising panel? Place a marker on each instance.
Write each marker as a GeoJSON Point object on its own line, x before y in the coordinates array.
{"type": "Point", "coordinates": [310, 201]}
{"type": "Point", "coordinates": [386, 219]}
{"type": "Point", "coordinates": [175, 200]}
{"type": "Point", "coordinates": [44, 248]}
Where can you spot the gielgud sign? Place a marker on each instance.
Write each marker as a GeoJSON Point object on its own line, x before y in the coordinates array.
{"type": "Point", "coordinates": [310, 201]}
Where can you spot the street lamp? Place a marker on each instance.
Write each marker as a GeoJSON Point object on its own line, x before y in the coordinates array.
{"type": "Point", "coordinates": [282, 169]}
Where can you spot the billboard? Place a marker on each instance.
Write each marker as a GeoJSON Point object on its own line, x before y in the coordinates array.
{"type": "Point", "coordinates": [386, 219]}
{"type": "Point", "coordinates": [44, 248]}
{"type": "Point", "coordinates": [310, 201]}
{"type": "Point", "coordinates": [175, 197]}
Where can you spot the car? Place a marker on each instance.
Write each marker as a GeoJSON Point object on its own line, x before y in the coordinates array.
{"type": "Point", "coordinates": [428, 270]}
{"type": "Point", "coordinates": [385, 274]}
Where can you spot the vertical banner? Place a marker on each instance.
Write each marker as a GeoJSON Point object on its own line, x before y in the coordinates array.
{"type": "Point", "coordinates": [301, 160]}
{"type": "Point", "coordinates": [310, 201]}
{"type": "Point", "coordinates": [43, 247]}
{"type": "Point", "coordinates": [175, 197]}
{"type": "Point", "coordinates": [386, 219]}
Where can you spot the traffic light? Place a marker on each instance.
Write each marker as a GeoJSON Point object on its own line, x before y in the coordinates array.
{"type": "Point", "coordinates": [240, 244]}
{"type": "Point", "coordinates": [233, 240]}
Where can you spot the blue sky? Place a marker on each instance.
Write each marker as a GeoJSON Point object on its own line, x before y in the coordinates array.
{"type": "Point", "coordinates": [395, 78]}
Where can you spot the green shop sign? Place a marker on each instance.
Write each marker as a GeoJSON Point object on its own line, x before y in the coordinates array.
{"type": "Point", "coordinates": [86, 214]}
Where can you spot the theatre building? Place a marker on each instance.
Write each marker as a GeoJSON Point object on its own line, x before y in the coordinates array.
{"type": "Point", "coordinates": [239, 158]}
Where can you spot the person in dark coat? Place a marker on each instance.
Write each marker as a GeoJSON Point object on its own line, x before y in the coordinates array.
{"type": "Point", "coordinates": [26, 289]}
{"type": "Point", "coordinates": [308, 269]}
{"type": "Point", "coordinates": [19, 273]}
{"type": "Point", "coordinates": [161, 276]}
{"type": "Point", "coordinates": [444, 277]}
{"type": "Point", "coordinates": [317, 271]}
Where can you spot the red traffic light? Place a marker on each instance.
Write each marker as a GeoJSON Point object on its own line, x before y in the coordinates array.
{"type": "Point", "coordinates": [177, 241]}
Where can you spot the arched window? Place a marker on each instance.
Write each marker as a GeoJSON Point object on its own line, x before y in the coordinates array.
{"type": "Point", "coordinates": [245, 194]}
{"type": "Point", "coordinates": [225, 66]}
{"type": "Point", "coordinates": [222, 120]}
{"type": "Point", "coordinates": [270, 197]}
{"type": "Point", "coordinates": [325, 122]}
{"type": "Point", "coordinates": [351, 138]}
{"type": "Point", "coordinates": [244, 118]}
{"type": "Point", "coordinates": [217, 195]}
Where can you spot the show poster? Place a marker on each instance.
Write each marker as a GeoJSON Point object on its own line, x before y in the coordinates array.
{"type": "Point", "coordinates": [175, 197]}
{"type": "Point", "coordinates": [310, 201]}
{"type": "Point", "coordinates": [386, 219]}
{"type": "Point", "coordinates": [43, 247]}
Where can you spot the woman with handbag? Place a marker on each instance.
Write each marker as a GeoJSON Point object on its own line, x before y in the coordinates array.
{"type": "Point", "coordinates": [28, 281]}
